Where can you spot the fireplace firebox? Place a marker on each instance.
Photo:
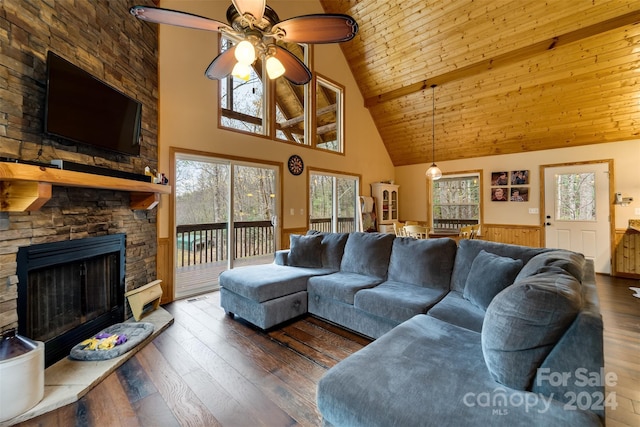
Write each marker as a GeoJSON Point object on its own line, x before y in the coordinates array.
{"type": "Point", "coordinates": [70, 290]}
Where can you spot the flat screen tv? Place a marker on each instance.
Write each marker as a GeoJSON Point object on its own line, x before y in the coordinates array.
{"type": "Point", "coordinates": [83, 109]}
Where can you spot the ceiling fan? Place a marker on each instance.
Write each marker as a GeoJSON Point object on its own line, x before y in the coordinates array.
{"type": "Point", "coordinates": [255, 30]}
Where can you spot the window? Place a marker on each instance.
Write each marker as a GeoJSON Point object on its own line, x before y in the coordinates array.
{"type": "Point", "coordinates": [281, 110]}
{"type": "Point", "coordinates": [576, 197]}
{"type": "Point", "coordinates": [290, 104]}
{"type": "Point", "coordinates": [329, 115]}
{"type": "Point", "coordinates": [455, 201]}
{"type": "Point", "coordinates": [242, 104]}
{"type": "Point", "coordinates": [332, 202]}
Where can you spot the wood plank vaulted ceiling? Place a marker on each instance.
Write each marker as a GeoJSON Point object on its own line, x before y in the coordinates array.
{"type": "Point", "coordinates": [511, 76]}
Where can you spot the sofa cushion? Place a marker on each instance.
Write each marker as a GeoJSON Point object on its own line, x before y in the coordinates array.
{"type": "Point", "coordinates": [396, 300]}
{"type": "Point", "coordinates": [489, 274]}
{"type": "Point", "coordinates": [341, 286]}
{"type": "Point", "coordinates": [469, 249]}
{"type": "Point", "coordinates": [458, 311]}
{"type": "Point", "coordinates": [426, 372]}
{"type": "Point", "coordinates": [332, 248]}
{"type": "Point", "coordinates": [305, 251]}
{"type": "Point", "coordinates": [430, 261]}
{"type": "Point", "coordinates": [525, 321]}
{"type": "Point", "coordinates": [367, 253]}
{"type": "Point", "coordinates": [264, 282]}
{"type": "Point", "coordinates": [572, 262]}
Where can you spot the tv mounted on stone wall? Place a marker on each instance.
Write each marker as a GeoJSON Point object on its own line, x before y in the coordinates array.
{"type": "Point", "coordinates": [81, 108]}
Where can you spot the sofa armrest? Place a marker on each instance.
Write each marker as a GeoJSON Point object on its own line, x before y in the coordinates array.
{"type": "Point", "coordinates": [281, 257]}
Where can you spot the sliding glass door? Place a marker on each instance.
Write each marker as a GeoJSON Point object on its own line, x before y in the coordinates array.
{"type": "Point", "coordinates": [225, 215]}
{"type": "Point", "coordinates": [332, 202]}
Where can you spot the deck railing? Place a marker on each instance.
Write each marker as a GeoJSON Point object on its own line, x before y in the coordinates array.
{"type": "Point", "coordinates": [452, 224]}
{"type": "Point", "coordinates": [345, 224]}
{"type": "Point", "coordinates": [205, 243]}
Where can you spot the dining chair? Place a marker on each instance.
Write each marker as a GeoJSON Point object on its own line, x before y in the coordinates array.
{"type": "Point", "coordinates": [416, 231]}
{"type": "Point", "coordinates": [466, 232]}
{"type": "Point", "coordinates": [398, 228]}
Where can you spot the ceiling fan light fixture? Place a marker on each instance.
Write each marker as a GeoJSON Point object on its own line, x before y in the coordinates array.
{"type": "Point", "coordinates": [241, 71]}
{"type": "Point", "coordinates": [256, 27]}
{"type": "Point", "coordinates": [433, 173]}
{"type": "Point", "coordinates": [245, 52]}
{"type": "Point", "coordinates": [274, 67]}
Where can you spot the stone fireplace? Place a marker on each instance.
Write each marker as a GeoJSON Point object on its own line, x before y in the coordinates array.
{"type": "Point", "coordinates": [123, 53]}
{"type": "Point", "coordinates": [72, 217]}
{"type": "Point", "coordinates": [70, 290]}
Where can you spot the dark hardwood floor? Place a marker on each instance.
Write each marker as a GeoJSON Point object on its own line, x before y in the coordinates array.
{"type": "Point", "coordinates": [209, 370]}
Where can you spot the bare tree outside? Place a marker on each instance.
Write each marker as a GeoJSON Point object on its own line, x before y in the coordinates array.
{"type": "Point", "coordinates": [201, 192]}
{"type": "Point", "coordinates": [322, 201]}
{"type": "Point", "coordinates": [456, 199]}
{"type": "Point", "coordinates": [576, 197]}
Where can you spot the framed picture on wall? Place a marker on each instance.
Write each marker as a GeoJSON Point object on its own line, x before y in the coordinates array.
{"type": "Point", "coordinates": [520, 177]}
{"type": "Point", "coordinates": [500, 178]}
{"type": "Point", "coordinates": [519, 194]}
{"type": "Point", "coordinates": [499, 194]}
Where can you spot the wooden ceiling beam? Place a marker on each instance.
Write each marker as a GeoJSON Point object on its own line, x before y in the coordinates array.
{"type": "Point", "coordinates": [508, 58]}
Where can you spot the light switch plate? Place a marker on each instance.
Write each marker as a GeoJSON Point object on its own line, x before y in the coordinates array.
{"type": "Point", "coordinates": [534, 211]}
{"type": "Point", "coordinates": [637, 211]}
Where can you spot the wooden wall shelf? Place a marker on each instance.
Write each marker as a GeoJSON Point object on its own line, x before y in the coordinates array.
{"type": "Point", "coordinates": [27, 187]}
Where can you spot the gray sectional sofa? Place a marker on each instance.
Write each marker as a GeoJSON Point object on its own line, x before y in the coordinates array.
{"type": "Point", "coordinates": [469, 334]}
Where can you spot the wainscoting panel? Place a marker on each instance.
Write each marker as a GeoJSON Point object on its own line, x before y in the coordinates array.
{"type": "Point", "coordinates": [164, 266]}
{"type": "Point", "coordinates": [526, 235]}
{"type": "Point", "coordinates": [626, 256]}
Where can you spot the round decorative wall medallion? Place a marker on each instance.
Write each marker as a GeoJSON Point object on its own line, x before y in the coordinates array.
{"type": "Point", "coordinates": [296, 166]}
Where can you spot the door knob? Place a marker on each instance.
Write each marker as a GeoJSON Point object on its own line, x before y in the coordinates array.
{"type": "Point", "coordinates": [547, 223]}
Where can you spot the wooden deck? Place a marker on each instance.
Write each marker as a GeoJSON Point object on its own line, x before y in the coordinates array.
{"type": "Point", "coordinates": [202, 278]}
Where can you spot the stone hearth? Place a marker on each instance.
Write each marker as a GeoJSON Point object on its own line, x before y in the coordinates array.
{"type": "Point", "coordinates": [69, 380]}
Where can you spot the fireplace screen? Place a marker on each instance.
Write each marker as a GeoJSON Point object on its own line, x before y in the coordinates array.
{"type": "Point", "coordinates": [68, 291]}
{"type": "Point", "coordinates": [66, 296]}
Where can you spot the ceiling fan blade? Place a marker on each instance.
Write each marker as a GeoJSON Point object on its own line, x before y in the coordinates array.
{"type": "Point", "coordinates": [222, 65]}
{"type": "Point", "coordinates": [295, 70]}
{"type": "Point", "coordinates": [180, 19]}
{"type": "Point", "coordinates": [252, 7]}
{"type": "Point", "coordinates": [320, 28]}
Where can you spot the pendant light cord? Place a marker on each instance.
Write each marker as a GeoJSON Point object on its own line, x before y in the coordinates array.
{"type": "Point", "coordinates": [433, 124]}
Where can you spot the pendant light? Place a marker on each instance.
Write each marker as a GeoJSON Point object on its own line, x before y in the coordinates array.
{"type": "Point", "coordinates": [433, 173]}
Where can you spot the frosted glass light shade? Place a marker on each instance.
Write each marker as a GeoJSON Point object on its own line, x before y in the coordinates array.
{"type": "Point", "coordinates": [245, 52]}
{"type": "Point", "coordinates": [274, 67]}
{"type": "Point", "coordinates": [434, 173]}
{"type": "Point", "coordinates": [241, 71]}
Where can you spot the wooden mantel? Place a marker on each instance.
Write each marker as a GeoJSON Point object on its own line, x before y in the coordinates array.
{"type": "Point", "coordinates": [27, 187]}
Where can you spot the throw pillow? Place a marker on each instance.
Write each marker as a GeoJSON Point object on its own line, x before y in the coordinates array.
{"type": "Point", "coordinates": [367, 253]}
{"type": "Point", "coordinates": [572, 262]}
{"type": "Point", "coordinates": [489, 274]}
{"type": "Point", "coordinates": [430, 261]}
{"type": "Point", "coordinates": [525, 321]}
{"type": "Point", "coordinates": [332, 248]}
{"type": "Point", "coordinates": [305, 251]}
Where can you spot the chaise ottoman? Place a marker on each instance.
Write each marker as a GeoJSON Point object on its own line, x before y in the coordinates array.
{"type": "Point", "coordinates": [266, 295]}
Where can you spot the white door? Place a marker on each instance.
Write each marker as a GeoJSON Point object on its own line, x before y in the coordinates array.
{"type": "Point", "coordinates": [577, 211]}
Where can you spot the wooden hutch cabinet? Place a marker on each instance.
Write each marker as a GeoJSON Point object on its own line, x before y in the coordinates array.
{"type": "Point", "coordinates": [386, 196]}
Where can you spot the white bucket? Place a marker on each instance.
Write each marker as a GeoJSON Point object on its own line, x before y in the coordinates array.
{"type": "Point", "coordinates": [21, 377]}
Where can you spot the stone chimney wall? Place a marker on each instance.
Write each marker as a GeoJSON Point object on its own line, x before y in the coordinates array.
{"type": "Point", "coordinates": [101, 37]}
